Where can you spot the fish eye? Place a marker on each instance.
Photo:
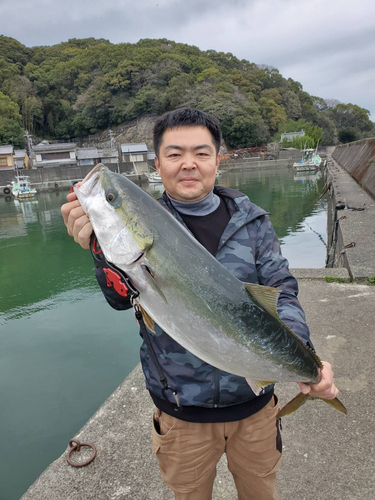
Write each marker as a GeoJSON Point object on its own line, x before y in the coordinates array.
{"type": "Point", "coordinates": [110, 197]}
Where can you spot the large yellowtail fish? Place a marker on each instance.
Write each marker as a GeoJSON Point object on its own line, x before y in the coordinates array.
{"type": "Point", "coordinates": [231, 325]}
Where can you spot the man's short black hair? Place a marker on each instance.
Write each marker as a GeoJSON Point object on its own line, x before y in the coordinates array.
{"type": "Point", "coordinates": [186, 117]}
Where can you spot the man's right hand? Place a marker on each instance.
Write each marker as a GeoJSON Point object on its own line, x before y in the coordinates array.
{"type": "Point", "coordinates": [76, 221]}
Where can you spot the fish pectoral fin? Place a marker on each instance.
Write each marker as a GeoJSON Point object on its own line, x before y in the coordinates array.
{"type": "Point", "coordinates": [257, 385]}
{"type": "Point", "coordinates": [301, 398]}
{"type": "Point", "coordinates": [267, 297]}
{"type": "Point", "coordinates": [149, 322]}
{"type": "Point", "coordinates": [152, 282]}
{"type": "Point", "coordinates": [147, 243]}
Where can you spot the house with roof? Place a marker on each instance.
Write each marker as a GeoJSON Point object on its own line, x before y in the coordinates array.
{"type": "Point", "coordinates": [6, 157]}
{"type": "Point", "coordinates": [21, 158]}
{"type": "Point", "coordinates": [108, 156]}
{"type": "Point", "coordinates": [87, 156]}
{"type": "Point", "coordinates": [134, 152]}
{"type": "Point", "coordinates": [93, 156]}
{"type": "Point", "coordinates": [151, 158]}
{"type": "Point", "coordinates": [52, 155]}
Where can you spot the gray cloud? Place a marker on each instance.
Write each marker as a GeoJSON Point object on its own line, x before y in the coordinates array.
{"type": "Point", "coordinates": [326, 46]}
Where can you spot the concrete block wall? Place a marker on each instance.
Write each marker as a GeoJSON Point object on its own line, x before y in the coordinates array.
{"type": "Point", "coordinates": [358, 159]}
{"type": "Point", "coordinates": [57, 177]}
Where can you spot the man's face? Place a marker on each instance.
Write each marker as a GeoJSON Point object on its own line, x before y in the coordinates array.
{"type": "Point", "coordinates": [187, 163]}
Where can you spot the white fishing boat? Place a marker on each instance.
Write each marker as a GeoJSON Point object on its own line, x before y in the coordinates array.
{"type": "Point", "coordinates": [310, 161]}
{"type": "Point", "coordinates": [153, 177]}
{"type": "Point", "coordinates": [21, 188]}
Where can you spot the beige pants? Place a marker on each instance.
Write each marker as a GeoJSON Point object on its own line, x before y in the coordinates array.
{"type": "Point", "coordinates": [188, 453]}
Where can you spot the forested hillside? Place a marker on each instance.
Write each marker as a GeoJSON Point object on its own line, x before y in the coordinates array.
{"type": "Point", "coordinates": [83, 86]}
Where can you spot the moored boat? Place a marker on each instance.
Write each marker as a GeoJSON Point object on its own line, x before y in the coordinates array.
{"type": "Point", "coordinates": [153, 177]}
{"type": "Point", "coordinates": [21, 188]}
{"type": "Point", "coordinates": [310, 161]}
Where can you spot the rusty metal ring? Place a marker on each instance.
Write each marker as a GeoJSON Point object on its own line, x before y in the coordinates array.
{"type": "Point", "coordinates": [75, 445]}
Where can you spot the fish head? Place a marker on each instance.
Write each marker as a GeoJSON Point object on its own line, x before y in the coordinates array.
{"type": "Point", "coordinates": [109, 203]}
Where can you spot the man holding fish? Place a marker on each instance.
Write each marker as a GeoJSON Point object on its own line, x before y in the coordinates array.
{"type": "Point", "coordinates": [215, 339]}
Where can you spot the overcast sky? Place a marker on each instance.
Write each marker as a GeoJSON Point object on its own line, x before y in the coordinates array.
{"type": "Point", "coordinates": [327, 45]}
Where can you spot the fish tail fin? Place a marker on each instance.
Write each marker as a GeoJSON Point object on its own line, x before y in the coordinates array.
{"type": "Point", "coordinates": [301, 399]}
{"type": "Point", "coordinates": [293, 405]}
{"type": "Point", "coordinates": [336, 404]}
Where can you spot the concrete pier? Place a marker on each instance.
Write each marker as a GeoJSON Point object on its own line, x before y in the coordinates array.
{"type": "Point", "coordinates": [326, 454]}
{"type": "Point", "coordinates": [351, 224]}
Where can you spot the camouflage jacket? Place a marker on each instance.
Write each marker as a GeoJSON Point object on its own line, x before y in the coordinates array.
{"type": "Point", "coordinates": [250, 250]}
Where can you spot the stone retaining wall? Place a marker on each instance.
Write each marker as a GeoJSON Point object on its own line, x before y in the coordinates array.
{"type": "Point", "coordinates": [358, 159]}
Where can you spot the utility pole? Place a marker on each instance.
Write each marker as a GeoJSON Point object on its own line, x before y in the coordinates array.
{"type": "Point", "coordinates": [29, 146]}
{"type": "Point", "coordinates": [113, 147]}
{"type": "Point", "coordinates": [112, 139]}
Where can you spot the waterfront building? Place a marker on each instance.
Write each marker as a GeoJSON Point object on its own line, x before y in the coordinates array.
{"type": "Point", "coordinates": [135, 153]}
{"type": "Point", "coordinates": [93, 156]}
{"type": "Point", "coordinates": [21, 158]}
{"type": "Point", "coordinates": [6, 157]}
{"type": "Point", "coordinates": [52, 155]}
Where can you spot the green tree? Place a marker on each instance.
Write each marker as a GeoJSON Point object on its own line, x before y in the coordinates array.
{"type": "Point", "coordinates": [242, 132]}
{"type": "Point", "coordinates": [299, 142]}
{"type": "Point", "coordinates": [347, 135]}
{"type": "Point", "coordinates": [11, 131]}
{"type": "Point", "coordinates": [83, 86]}
{"type": "Point", "coordinates": [351, 116]}
{"type": "Point", "coordinates": [273, 114]}
{"type": "Point", "coordinates": [292, 105]}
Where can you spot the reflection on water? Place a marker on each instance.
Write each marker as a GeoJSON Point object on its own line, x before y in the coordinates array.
{"type": "Point", "coordinates": [63, 350]}
{"type": "Point", "coordinates": [299, 222]}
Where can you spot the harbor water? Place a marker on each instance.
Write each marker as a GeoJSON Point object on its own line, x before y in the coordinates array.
{"type": "Point", "coordinates": [63, 350]}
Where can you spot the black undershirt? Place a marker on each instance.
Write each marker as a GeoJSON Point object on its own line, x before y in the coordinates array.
{"type": "Point", "coordinates": [207, 229]}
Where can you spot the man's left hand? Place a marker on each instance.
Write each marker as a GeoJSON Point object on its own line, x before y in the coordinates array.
{"type": "Point", "coordinates": [326, 388]}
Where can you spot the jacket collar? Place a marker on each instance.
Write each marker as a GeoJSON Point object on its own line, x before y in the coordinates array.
{"type": "Point", "coordinates": [240, 208]}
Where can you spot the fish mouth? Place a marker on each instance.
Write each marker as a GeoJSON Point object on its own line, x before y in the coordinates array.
{"type": "Point", "coordinates": [91, 184]}
{"type": "Point", "coordinates": [92, 177]}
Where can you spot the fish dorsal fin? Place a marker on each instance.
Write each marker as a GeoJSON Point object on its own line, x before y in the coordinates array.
{"type": "Point", "coordinates": [267, 297]}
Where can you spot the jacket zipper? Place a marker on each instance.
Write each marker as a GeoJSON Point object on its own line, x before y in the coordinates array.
{"type": "Point", "coordinates": [216, 387]}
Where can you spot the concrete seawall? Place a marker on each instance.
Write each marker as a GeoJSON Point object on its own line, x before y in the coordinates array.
{"type": "Point", "coordinates": [358, 159]}
{"type": "Point", "coordinates": [351, 209]}
{"type": "Point", "coordinates": [52, 178]}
